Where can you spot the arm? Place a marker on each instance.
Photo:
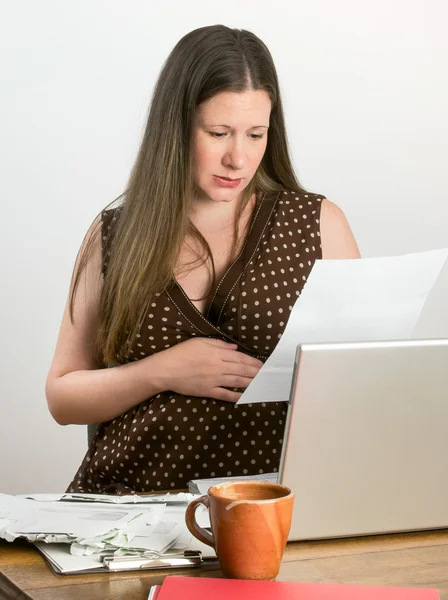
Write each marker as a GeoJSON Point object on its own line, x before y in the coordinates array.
{"type": "Point", "coordinates": [79, 391]}
{"type": "Point", "coordinates": [336, 236]}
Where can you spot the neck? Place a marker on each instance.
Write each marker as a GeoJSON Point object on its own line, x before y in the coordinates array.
{"type": "Point", "coordinates": [206, 214]}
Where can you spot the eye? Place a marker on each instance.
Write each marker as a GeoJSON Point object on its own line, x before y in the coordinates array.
{"type": "Point", "coordinates": [256, 136]}
{"type": "Point", "coordinates": [217, 134]}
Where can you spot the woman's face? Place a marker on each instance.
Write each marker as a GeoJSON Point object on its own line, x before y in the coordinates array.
{"type": "Point", "coordinates": [229, 140]}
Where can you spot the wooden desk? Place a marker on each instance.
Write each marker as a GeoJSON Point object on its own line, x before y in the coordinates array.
{"type": "Point", "coordinates": [412, 559]}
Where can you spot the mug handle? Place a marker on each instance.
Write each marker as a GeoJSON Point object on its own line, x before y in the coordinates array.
{"type": "Point", "coordinates": [190, 518]}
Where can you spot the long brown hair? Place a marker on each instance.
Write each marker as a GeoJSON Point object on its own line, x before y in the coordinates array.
{"type": "Point", "coordinates": [154, 217]}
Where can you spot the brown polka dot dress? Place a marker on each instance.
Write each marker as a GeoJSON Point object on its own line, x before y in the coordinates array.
{"type": "Point", "coordinates": [169, 439]}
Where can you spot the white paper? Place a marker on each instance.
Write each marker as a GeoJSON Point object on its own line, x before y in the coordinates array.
{"type": "Point", "coordinates": [180, 497]}
{"type": "Point", "coordinates": [346, 301]}
{"type": "Point", "coordinates": [75, 520]}
{"type": "Point", "coordinates": [64, 562]}
{"type": "Point", "coordinates": [78, 534]}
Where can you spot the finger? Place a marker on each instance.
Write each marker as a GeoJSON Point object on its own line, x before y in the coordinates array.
{"type": "Point", "coordinates": [229, 355]}
{"type": "Point", "coordinates": [241, 358]}
{"type": "Point", "coordinates": [219, 393]}
{"type": "Point", "coordinates": [220, 343]}
{"type": "Point", "coordinates": [240, 370]}
{"type": "Point", "coordinates": [249, 360]}
{"type": "Point", "coordinates": [235, 381]}
{"type": "Point", "coordinates": [232, 355]}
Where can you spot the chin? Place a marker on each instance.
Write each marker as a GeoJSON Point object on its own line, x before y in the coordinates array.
{"type": "Point", "coordinates": [222, 195]}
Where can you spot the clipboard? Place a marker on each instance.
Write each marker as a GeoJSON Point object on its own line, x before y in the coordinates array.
{"type": "Point", "coordinates": [56, 556]}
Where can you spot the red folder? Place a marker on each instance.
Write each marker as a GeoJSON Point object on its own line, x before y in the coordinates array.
{"type": "Point", "coordinates": [202, 588]}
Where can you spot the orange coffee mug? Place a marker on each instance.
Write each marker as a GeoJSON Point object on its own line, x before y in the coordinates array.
{"type": "Point", "coordinates": [250, 523]}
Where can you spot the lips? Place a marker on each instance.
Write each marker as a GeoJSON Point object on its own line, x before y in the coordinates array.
{"type": "Point", "coordinates": [226, 181]}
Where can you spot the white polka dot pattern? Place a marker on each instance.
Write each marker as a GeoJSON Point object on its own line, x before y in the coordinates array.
{"type": "Point", "coordinates": [169, 439]}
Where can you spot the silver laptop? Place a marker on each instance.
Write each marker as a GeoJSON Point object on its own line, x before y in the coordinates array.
{"type": "Point", "coordinates": [366, 440]}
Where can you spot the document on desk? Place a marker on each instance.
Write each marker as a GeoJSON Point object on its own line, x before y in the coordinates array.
{"type": "Point", "coordinates": [349, 301]}
{"type": "Point", "coordinates": [76, 536]}
{"type": "Point", "coordinates": [168, 497]}
{"type": "Point", "coordinates": [89, 525]}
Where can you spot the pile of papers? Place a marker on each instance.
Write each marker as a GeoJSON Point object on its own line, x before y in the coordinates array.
{"type": "Point", "coordinates": [75, 532]}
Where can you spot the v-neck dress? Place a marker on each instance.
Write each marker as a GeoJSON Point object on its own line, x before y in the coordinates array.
{"type": "Point", "coordinates": [170, 439]}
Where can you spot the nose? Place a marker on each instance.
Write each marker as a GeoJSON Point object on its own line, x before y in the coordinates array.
{"type": "Point", "coordinates": [234, 158]}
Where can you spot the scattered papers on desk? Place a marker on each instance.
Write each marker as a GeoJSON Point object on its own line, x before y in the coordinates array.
{"type": "Point", "coordinates": [180, 498]}
{"type": "Point", "coordinates": [201, 486]}
{"type": "Point", "coordinates": [349, 301]}
{"type": "Point", "coordinates": [81, 532]}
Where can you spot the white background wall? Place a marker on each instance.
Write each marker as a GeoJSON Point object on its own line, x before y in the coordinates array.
{"type": "Point", "coordinates": [365, 87]}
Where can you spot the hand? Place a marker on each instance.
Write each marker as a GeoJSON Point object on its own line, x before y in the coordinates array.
{"type": "Point", "coordinates": [205, 367]}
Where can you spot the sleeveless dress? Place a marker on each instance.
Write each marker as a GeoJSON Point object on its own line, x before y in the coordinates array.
{"type": "Point", "coordinates": [170, 439]}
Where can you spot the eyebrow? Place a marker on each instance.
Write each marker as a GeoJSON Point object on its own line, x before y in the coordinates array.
{"type": "Point", "coordinates": [228, 126]}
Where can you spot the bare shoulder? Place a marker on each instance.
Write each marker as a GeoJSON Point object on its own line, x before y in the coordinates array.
{"type": "Point", "coordinates": [90, 253]}
{"type": "Point", "coordinates": [337, 238]}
